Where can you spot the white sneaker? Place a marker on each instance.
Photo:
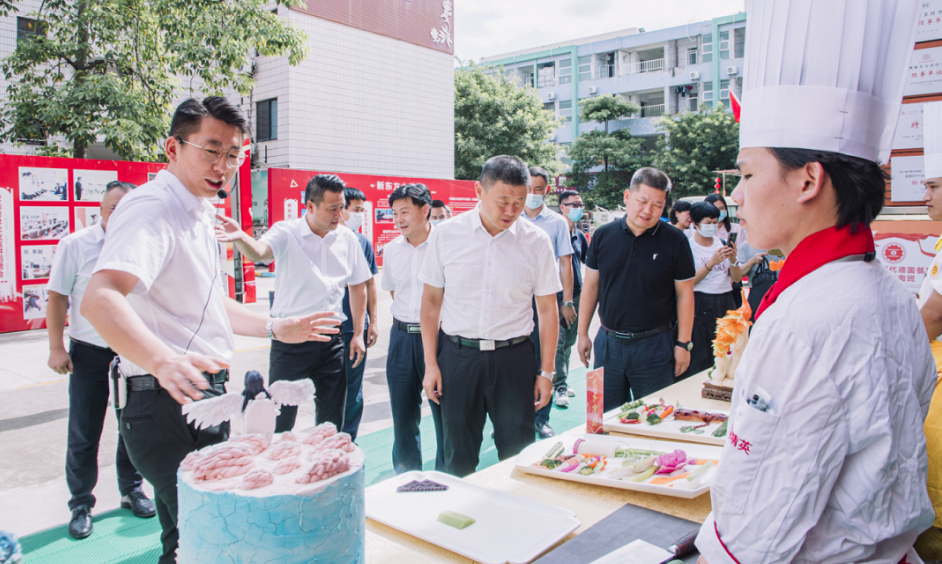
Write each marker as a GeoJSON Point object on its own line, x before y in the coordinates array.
{"type": "Point", "coordinates": [570, 392]}
{"type": "Point", "coordinates": [562, 398]}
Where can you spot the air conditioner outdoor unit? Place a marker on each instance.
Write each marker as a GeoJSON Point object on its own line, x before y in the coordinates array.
{"type": "Point", "coordinates": [694, 75]}
{"type": "Point", "coordinates": [732, 71]}
{"type": "Point", "coordinates": [551, 96]}
{"type": "Point", "coordinates": [593, 90]}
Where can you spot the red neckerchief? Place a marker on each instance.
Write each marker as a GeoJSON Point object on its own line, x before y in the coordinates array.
{"type": "Point", "coordinates": [815, 251]}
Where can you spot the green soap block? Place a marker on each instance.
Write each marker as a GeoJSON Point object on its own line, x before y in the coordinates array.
{"type": "Point", "coordinates": [456, 520]}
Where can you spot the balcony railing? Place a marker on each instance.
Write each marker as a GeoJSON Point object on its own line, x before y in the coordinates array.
{"type": "Point", "coordinates": [652, 111]}
{"type": "Point", "coordinates": [646, 66]}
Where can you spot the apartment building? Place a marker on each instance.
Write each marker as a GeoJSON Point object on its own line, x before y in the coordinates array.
{"type": "Point", "coordinates": [374, 96]}
{"type": "Point", "coordinates": [666, 72]}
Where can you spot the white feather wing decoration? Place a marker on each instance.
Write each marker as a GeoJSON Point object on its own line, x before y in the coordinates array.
{"type": "Point", "coordinates": [214, 411]}
{"type": "Point", "coordinates": [284, 392]}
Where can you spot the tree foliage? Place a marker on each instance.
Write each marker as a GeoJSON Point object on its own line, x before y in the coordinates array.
{"type": "Point", "coordinates": [697, 144]}
{"type": "Point", "coordinates": [110, 69]}
{"type": "Point", "coordinates": [603, 109]}
{"type": "Point", "coordinates": [495, 116]}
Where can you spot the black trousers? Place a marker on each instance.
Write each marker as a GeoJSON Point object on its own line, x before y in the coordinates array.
{"type": "Point", "coordinates": [324, 364]}
{"type": "Point", "coordinates": [708, 309]}
{"type": "Point", "coordinates": [477, 384]}
{"type": "Point", "coordinates": [158, 438]}
{"type": "Point", "coordinates": [88, 404]}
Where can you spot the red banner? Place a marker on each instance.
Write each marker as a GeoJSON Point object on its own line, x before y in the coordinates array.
{"type": "Point", "coordinates": [286, 199]}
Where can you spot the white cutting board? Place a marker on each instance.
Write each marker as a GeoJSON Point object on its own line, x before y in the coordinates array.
{"type": "Point", "coordinates": [669, 429]}
{"type": "Point", "coordinates": [535, 452]}
{"type": "Point", "coordinates": [507, 528]}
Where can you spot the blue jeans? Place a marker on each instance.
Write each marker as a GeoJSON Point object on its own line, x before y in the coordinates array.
{"type": "Point", "coordinates": [405, 370]}
{"type": "Point", "coordinates": [353, 410]}
{"type": "Point", "coordinates": [634, 369]}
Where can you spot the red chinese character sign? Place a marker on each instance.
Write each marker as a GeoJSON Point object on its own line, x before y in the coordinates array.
{"type": "Point", "coordinates": [907, 256]}
{"type": "Point", "coordinates": [286, 199]}
{"type": "Point", "coordinates": [42, 200]}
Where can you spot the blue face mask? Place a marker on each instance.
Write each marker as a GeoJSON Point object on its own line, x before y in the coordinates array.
{"type": "Point", "coordinates": [722, 215]}
{"type": "Point", "coordinates": [534, 201]}
{"type": "Point", "coordinates": [575, 214]}
{"type": "Point", "coordinates": [436, 222]}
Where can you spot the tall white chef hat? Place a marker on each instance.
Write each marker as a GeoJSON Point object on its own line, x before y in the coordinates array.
{"type": "Point", "coordinates": [932, 133]}
{"type": "Point", "coordinates": [826, 75]}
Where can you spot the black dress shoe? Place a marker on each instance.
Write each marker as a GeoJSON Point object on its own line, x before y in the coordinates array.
{"type": "Point", "coordinates": [81, 524]}
{"type": "Point", "coordinates": [138, 503]}
{"type": "Point", "coordinates": [545, 431]}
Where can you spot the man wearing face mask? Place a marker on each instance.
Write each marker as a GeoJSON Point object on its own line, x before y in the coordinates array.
{"type": "Point", "coordinates": [440, 212]}
{"type": "Point", "coordinates": [558, 230]}
{"type": "Point", "coordinates": [713, 283]}
{"type": "Point", "coordinates": [571, 206]}
{"type": "Point", "coordinates": [354, 215]}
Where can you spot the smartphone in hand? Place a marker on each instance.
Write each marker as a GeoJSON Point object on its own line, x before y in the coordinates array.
{"type": "Point", "coordinates": [732, 239]}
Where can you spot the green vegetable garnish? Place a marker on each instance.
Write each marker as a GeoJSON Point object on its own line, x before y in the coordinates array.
{"type": "Point", "coordinates": [631, 406]}
{"type": "Point", "coordinates": [456, 520]}
{"type": "Point", "coordinates": [587, 471]}
{"type": "Point", "coordinates": [721, 431]}
{"type": "Point", "coordinates": [631, 416]}
{"type": "Point", "coordinates": [653, 419]}
{"type": "Point", "coordinates": [644, 475]}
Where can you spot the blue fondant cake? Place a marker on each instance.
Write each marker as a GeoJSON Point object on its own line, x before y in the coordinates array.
{"type": "Point", "coordinates": [282, 521]}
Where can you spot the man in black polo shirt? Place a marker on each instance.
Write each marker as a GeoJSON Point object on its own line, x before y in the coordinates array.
{"type": "Point", "coordinates": [640, 273]}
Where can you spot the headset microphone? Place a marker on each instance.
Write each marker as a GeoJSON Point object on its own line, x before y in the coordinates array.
{"type": "Point", "coordinates": [222, 194]}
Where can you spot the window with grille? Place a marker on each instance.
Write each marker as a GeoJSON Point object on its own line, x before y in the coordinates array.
{"type": "Point", "coordinates": [708, 48]}
{"type": "Point", "coordinates": [724, 45]}
{"type": "Point", "coordinates": [266, 120]}
{"type": "Point", "coordinates": [565, 111]}
{"type": "Point", "coordinates": [691, 56]}
{"type": "Point", "coordinates": [585, 68]}
{"type": "Point", "coordinates": [565, 71]}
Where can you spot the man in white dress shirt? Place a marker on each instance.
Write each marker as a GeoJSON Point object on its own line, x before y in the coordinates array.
{"type": "Point", "coordinates": [87, 360]}
{"type": "Point", "coordinates": [317, 259]}
{"type": "Point", "coordinates": [156, 297]}
{"type": "Point", "coordinates": [405, 361]}
{"type": "Point", "coordinates": [481, 273]}
{"type": "Point", "coordinates": [825, 458]}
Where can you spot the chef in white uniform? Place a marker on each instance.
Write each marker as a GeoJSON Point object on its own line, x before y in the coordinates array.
{"type": "Point", "coordinates": [825, 460]}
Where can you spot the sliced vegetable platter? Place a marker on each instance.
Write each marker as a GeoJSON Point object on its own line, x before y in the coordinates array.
{"type": "Point", "coordinates": [636, 419]}
{"type": "Point", "coordinates": [644, 465]}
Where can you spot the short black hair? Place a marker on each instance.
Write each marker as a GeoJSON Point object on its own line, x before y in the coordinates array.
{"type": "Point", "coordinates": [717, 197]}
{"type": "Point", "coordinates": [541, 172]}
{"type": "Point", "coordinates": [119, 185]}
{"type": "Point", "coordinates": [418, 193]}
{"type": "Point", "coordinates": [314, 192]}
{"type": "Point", "coordinates": [567, 194]}
{"type": "Point", "coordinates": [679, 206]}
{"type": "Point", "coordinates": [189, 115]}
{"type": "Point", "coordinates": [859, 184]}
{"type": "Point", "coordinates": [438, 204]}
{"type": "Point", "coordinates": [350, 194]}
{"type": "Point", "coordinates": [703, 210]}
{"type": "Point", "coordinates": [650, 176]}
{"type": "Point", "coordinates": [506, 169]}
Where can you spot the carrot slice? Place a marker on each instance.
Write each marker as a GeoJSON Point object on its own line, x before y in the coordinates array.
{"type": "Point", "coordinates": [666, 480]}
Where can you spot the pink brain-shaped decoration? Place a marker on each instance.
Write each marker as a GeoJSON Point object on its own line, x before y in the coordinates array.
{"type": "Point", "coordinates": [256, 443]}
{"type": "Point", "coordinates": [287, 465]}
{"type": "Point", "coordinates": [326, 464]}
{"type": "Point", "coordinates": [226, 461]}
{"type": "Point", "coordinates": [321, 432]}
{"type": "Point", "coordinates": [283, 450]}
{"type": "Point", "coordinates": [340, 441]}
{"type": "Point", "coordinates": [257, 479]}
{"type": "Point", "coordinates": [289, 437]}
{"type": "Point", "coordinates": [190, 461]}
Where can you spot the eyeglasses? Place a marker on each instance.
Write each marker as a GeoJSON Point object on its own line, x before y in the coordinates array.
{"type": "Point", "coordinates": [574, 205]}
{"type": "Point", "coordinates": [212, 155]}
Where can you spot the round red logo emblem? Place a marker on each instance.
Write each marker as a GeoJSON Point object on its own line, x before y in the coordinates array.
{"type": "Point", "coordinates": [894, 253]}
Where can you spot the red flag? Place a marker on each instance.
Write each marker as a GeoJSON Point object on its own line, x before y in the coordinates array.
{"type": "Point", "coordinates": [734, 102]}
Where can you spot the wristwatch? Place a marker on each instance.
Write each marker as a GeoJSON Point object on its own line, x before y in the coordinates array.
{"type": "Point", "coordinates": [268, 328]}
{"type": "Point", "coordinates": [688, 346]}
{"type": "Point", "coordinates": [548, 375]}
{"type": "Point", "coordinates": [569, 304]}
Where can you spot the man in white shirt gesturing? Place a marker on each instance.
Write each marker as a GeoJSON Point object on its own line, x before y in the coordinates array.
{"type": "Point", "coordinates": [481, 273]}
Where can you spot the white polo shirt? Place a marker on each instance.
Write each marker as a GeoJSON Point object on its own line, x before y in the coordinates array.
{"type": "Point", "coordinates": [164, 235]}
{"type": "Point", "coordinates": [401, 265]}
{"type": "Point", "coordinates": [489, 281]}
{"type": "Point", "coordinates": [313, 271]}
{"type": "Point", "coordinates": [72, 268]}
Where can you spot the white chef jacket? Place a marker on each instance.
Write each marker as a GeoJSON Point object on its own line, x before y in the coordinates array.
{"type": "Point", "coordinates": [836, 471]}
{"type": "Point", "coordinates": [314, 271]}
{"type": "Point", "coordinates": [72, 267]}
{"type": "Point", "coordinates": [165, 236]}
{"type": "Point", "coordinates": [401, 265]}
{"type": "Point", "coordinates": [489, 281]}
{"type": "Point", "coordinates": [932, 282]}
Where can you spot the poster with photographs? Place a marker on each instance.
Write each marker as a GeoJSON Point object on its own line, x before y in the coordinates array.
{"type": "Point", "coordinates": [89, 185]}
{"type": "Point", "coordinates": [36, 261]}
{"type": "Point", "coordinates": [384, 215]}
{"type": "Point", "coordinates": [43, 223]}
{"type": "Point", "coordinates": [35, 299]}
{"type": "Point", "coordinates": [86, 216]}
{"type": "Point", "coordinates": [43, 184]}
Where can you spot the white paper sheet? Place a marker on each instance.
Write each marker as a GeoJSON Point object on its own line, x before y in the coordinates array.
{"type": "Point", "coordinates": [637, 552]}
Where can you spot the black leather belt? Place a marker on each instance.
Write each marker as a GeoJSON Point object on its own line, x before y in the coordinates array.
{"type": "Point", "coordinates": [486, 344]}
{"type": "Point", "coordinates": [636, 336]}
{"type": "Point", "coordinates": [148, 382]}
{"type": "Point", "coordinates": [407, 327]}
{"type": "Point", "coordinates": [89, 345]}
